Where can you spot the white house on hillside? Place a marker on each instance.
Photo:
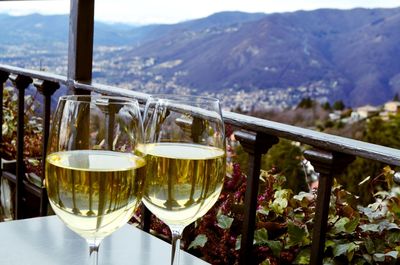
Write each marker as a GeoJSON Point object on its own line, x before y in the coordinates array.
{"type": "Point", "coordinates": [364, 112]}
{"type": "Point", "coordinates": [392, 106]}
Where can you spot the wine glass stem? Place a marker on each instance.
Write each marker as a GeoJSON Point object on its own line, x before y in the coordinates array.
{"type": "Point", "coordinates": [94, 251]}
{"type": "Point", "coordinates": [176, 244]}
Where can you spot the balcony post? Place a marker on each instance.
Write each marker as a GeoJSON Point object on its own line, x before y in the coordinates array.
{"type": "Point", "coordinates": [21, 82]}
{"type": "Point", "coordinates": [327, 164]}
{"type": "Point", "coordinates": [255, 144]}
{"type": "Point", "coordinates": [47, 89]}
{"type": "Point", "coordinates": [80, 48]}
{"type": "Point", "coordinates": [3, 79]}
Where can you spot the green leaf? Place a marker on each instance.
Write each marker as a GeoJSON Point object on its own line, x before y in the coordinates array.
{"type": "Point", "coordinates": [275, 246]}
{"type": "Point", "coordinates": [333, 219]}
{"type": "Point", "coordinates": [303, 257]}
{"type": "Point", "coordinates": [297, 235]}
{"type": "Point", "coordinates": [393, 237]}
{"type": "Point", "coordinates": [238, 242]}
{"type": "Point", "coordinates": [5, 129]}
{"type": "Point", "coordinates": [266, 262]}
{"type": "Point", "coordinates": [370, 227]}
{"type": "Point", "coordinates": [388, 173]}
{"type": "Point", "coordinates": [341, 249]}
{"type": "Point", "coordinates": [369, 245]}
{"type": "Point", "coordinates": [279, 180]}
{"type": "Point", "coordinates": [386, 225]}
{"type": "Point", "coordinates": [284, 193]}
{"type": "Point", "coordinates": [304, 198]}
{"type": "Point", "coordinates": [340, 225]}
{"type": "Point", "coordinates": [394, 205]}
{"type": "Point", "coordinates": [302, 195]}
{"type": "Point", "coordinates": [346, 198]}
{"type": "Point", "coordinates": [224, 221]}
{"type": "Point", "coordinates": [199, 241]}
{"type": "Point", "coordinates": [379, 227]}
{"type": "Point", "coordinates": [393, 254]}
{"type": "Point", "coordinates": [263, 211]}
{"type": "Point", "coordinates": [350, 251]}
{"type": "Point", "coordinates": [329, 243]}
{"type": "Point", "coordinates": [352, 224]}
{"type": "Point", "coordinates": [279, 205]}
{"type": "Point", "coordinates": [299, 217]}
{"type": "Point", "coordinates": [371, 211]}
{"type": "Point", "coordinates": [260, 236]}
{"type": "Point", "coordinates": [380, 257]}
{"type": "Point", "coordinates": [368, 258]}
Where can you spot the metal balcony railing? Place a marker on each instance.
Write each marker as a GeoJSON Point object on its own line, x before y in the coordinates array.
{"type": "Point", "coordinates": [330, 154]}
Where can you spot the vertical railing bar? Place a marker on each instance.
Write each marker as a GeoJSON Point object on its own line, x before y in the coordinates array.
{"type": "Point", "coordinates": [3, 79]}
{"type": "Point", "coordinates": [46, 129]}
{"type": "Point", "coordinates": [255, 145]}
{"type": "Point", "coordinates": [47, 89]}
{"type": "Point", "coordinates": [145, 221]}
{"type": "Point", "coordinates": [20, 152]}
{"type": "Point", "coordinates": [250, 202]}
{"type": "Point", "coordinates": [327, 164]}
{"type": "Point", "coordinates": [21, 83]}
{"type": "Point", "coordinates": [321, 219]}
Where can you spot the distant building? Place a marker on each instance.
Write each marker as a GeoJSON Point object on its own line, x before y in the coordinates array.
{"type": "Point", "coordinates": [335, 116]}
{"type": "Point", "coordinates": [392, 107]}
{"type": "Point", "coordinates": [364, 112]}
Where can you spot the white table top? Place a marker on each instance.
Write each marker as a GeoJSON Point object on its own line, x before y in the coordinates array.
{"type": "Point", "coordinates": [47, 241]}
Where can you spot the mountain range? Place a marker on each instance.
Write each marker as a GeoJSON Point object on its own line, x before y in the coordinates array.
{"type": "Point", "coordinates": [353, 55]}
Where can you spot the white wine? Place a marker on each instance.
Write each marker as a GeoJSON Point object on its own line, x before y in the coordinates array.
{"type": "Point", "coordinates": [94, 192]}
{"type": "Point", "coordinates": [183, 181]}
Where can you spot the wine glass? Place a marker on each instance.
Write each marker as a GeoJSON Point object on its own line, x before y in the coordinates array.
{"type": "Point", "coordinates": [185, 160]}
{"type": "Point", "coordinates": [94, 175]}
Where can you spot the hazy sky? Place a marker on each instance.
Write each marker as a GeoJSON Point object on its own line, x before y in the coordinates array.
{"type": "Point", "coordinates": [171, 11]}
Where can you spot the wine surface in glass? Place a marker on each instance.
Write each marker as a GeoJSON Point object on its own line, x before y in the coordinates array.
{"type": "Point", "coordinates": [183, 181]}
{"type": "Point", "coordinates": [94, 192]}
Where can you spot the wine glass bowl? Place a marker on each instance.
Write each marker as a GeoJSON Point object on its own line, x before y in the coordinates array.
{"type": "Point", "coordinates": [183, 181]}
{"type": "Point", "coordinates": [185, 159]}
{"type": "Point", "coordinates": [94, 174]}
